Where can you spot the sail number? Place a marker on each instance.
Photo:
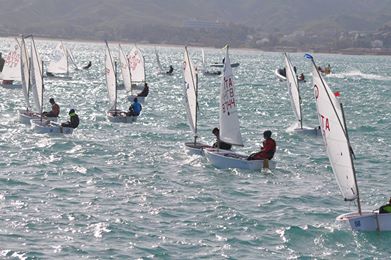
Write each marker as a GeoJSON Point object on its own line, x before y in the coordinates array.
{"type": "Point", "coordinates": [325, 123]}
{"type": "Point", "coordinates": [228, 98]}
{"type": "Point", "coordinates": [12, 59]}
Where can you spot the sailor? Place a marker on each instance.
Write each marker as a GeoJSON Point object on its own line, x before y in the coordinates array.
{"type": "Point", "coordinates": [88, 65]}
{"type": "Point", "coordinates": [385, 208]}
{"type": "Point", "coordinates": [135, 108]}
{"type": "Point", "coordinates": [268, 148]}
{"type": "Point", "coordinates": [73, 120]}
{"type": "Point", "coordinates": [145, 91]}
{"type": "Point", "coordinates": [220, 144]}
{"type": "Point", "coordinates": [171, 70]}
{"type": "Point", "coordinates": [55, 109]}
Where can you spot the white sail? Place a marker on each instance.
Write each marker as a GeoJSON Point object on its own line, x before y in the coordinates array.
{"type": "Point", "coordinates": [110, 78]}
{"type": "Point", "coordinates": [229, 119]}
{"type": "Point", "coordinates": [70, 55]}
{"type": "Point", "coordinates": [158, 61]}
{"type": "Point", "coordinates": [11, 69]}
{"type": "Point", "coordinates": [59, 62]}
{"type": "Point", "coordinates": [136, 64]}
{"type": "Point", "coordinates": [125, 70]}
{"type": "Point", "coordinates": [203, 60]}
{"type": "Point", "coordinates": [190, 89]}
{"type": "Point", "coordinates": [293, 89]}
{"type": "Point", "coordinates": [36, 77]}
{"type": "Point", "coordinates": [25, 71]}
{"type": "Point", "coordinates": [334, 135]}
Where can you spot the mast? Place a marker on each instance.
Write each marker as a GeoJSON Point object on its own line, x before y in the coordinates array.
{"type": "Point", "coordinates": [115, 77]}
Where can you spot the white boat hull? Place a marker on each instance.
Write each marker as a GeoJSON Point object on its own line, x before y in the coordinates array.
{"type": "Point", "coordinates": [49, 127]}
{"type": "Point", "coordinates": [25, 117]}
{"type": "Point", "coordinates": [367, 221]}
{"type": "Point", "coordinates": [120, 117]}
{"type": "Point", "coordinates": [195, 149]}
{"type": "Point", "coordinates": [224, 159]}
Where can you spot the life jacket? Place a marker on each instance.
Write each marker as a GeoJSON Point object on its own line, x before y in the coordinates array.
{"type": "Point", "coordinates": [74, 120]}
{"type": "Point", "coordinates": [385, 209]}
{"type": "Point", "coordinates": [269, 147]}
{"type": "Point", "coordinates": [136, 108]}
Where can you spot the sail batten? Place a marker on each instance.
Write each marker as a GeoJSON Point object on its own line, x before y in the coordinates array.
{"type": "Point", "coordinates": [331, 118]}
{"type": "Point", "coordinates": [228, 115]}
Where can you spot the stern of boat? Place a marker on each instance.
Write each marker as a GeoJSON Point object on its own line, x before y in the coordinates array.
{"type": "Point", "coordinates": [368, 221]}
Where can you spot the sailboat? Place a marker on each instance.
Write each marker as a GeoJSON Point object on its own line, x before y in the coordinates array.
{"type": "Point", "coordinates": [59, 65]}
{"type": "Point", "coordinates": [127, 77]}
{"type": "Point", "coordinates": [205, 71]}
{"type": "Point", "coordinates": [335, 135]}
{"type": "Point", "coordinates": [11, 70]}
{"type": "Point", "coordinates": [230, 128]}
{"type": "Point", "coordinates": [190, 88]}
{"type": "Point", "coordinates": [160, 70]}
{"type": "Point", "coordinates": [294, 94]}
{"type": "Point", "coordinates": [114, 114]}
{"type": "Point", "coordinates": [25, 115]}
{"type": "Point", "coordinates": [41, 125]}
{"type": "Point", "coordinates": [137, 69]}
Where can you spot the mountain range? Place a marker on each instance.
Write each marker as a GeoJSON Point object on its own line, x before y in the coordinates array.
{"type": "Point", "coordinates": [167, 21]}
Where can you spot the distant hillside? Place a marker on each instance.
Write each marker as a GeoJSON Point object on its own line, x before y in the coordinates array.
{"type": "Point", "coordinates": [162, 21]}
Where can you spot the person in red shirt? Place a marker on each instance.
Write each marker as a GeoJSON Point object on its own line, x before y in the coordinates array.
{"type": "Point", "coordinates": [267, 150]}
{"type": "Point", "coordinates": [55, 109]}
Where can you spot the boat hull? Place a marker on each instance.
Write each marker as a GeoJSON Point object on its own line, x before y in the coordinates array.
{"type": "Point", "coordinates": [211, 73]}
{"type": "Point", "coordinates": [195, 148]}
{"type": "Point", "coordinates": [11, 85]}
{"type": "Point", "coordinates": [120, 117]}
{"type": "Point", "coordinates": [308, 131]}
{"type": "Point", "coordinates": [220, 65]}
{"type": "Point", "coordinates": [49, 127]}
{"type": "Point", "coordinates": [224, 159]}
{"type": "Point", "coordinates": [367, 221]}
{"type": "Point", "coordinates": [25, 117]}
{"type": "Point", "coordinates": [138, 86]}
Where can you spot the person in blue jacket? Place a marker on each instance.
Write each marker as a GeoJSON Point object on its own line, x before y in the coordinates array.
{"type": "Point", "coordinates": [135, 108]}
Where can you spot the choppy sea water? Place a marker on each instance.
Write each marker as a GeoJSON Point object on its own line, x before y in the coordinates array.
{"type": "Point", "coordinates": [129, 191]}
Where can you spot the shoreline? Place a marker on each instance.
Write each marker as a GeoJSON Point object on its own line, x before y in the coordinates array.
{"type": "Point", "coordinates": [279, 49]}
